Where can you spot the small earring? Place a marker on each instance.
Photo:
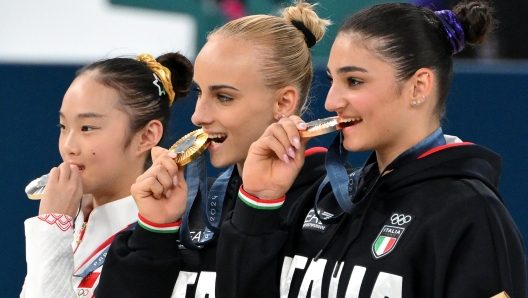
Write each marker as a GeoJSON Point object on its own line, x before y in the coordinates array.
{"type": "Point", "coordinates": [418, 101]}
{"type": "Point", "coordinates": [423, 96]}
{"type": "Point", "coordinates": [414, 102]}
{"type": "Point", "coordinates": [427, 74]}
{"type": "Point", "coordinates": [280, 117]}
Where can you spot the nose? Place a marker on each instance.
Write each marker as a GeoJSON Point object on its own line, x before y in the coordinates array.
{"type": "Point", "coordinates": [202, 112]}
{"type": "Point", "coordinates": [335, 100]}
{"type": "Point", "coordinates": [68, 144]}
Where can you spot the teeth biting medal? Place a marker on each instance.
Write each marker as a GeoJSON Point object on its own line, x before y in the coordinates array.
{"type": "Point", "coordinates": [322, 126]}
{"type": "Point", "coordinates": [190, 146]}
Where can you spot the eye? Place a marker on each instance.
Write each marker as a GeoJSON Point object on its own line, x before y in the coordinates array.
{"type": "Point", "coordinates": [330, 79]}
{"type": "Point", "coordinates": [61, 126]}
{"type": "Point", "coordinates": [352, 82]}
{"type": "Point", "coordinates": [87, 128]}
{"type": "Point", "coordinates": [224, 98]}
{"type": "Point", "coordinates": [198, 91]}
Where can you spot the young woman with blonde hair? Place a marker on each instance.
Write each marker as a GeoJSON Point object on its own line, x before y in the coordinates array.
{"type": "Point", "coordinates": [252, 72]}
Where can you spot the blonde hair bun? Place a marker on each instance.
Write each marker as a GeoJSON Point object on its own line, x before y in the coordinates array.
{"type": "Point", "coordinates": [305, 13]}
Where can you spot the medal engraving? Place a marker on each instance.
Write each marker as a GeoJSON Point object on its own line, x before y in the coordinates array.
{"type": "Point", "coordinates": [42, 181]}
{"type": "Point", "coordinates": [185, 145]}
{"type": "Point", "coordinates": [190, 146]}
{"type": "Point", "coordinates": [35, 188]}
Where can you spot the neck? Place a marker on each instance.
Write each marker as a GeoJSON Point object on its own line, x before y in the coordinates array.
{"type": "Point", "coordinates": [117, 189]}
{"type": "Point", "coordinates": [387, 155]}
{"type": "Point", "coordinates": [240, 167]}
{"type": "Point", "coordinates": [100, 200]}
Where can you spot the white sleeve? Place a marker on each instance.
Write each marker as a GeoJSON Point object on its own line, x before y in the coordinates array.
{"type": "Point", "coordinates": [49, 257]}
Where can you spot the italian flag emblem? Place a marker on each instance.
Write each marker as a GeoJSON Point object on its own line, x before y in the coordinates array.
{"type": "Point", "coordinates": [383, 245]}
{"type": "Point", "coordinates": [390, 234]}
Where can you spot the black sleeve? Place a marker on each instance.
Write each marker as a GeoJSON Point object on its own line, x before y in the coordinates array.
{"type": "Point", "coordinates": [140, 263]}
{"type": "Point", "coordinates": [249, 251]}
{"type": "Point", "coordinates": [489, 254]}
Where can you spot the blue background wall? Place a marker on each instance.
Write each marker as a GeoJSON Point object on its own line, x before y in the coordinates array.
{"type": "Point", "coordinates": [487, 105]}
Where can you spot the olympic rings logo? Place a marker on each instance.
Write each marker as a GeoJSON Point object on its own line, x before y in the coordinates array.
{"type": "Point", "coordinates": [400, 219]}
{"type": "Point", "coordinates": [83, 292]}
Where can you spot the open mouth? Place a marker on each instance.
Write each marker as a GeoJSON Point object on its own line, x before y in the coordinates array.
{"type": "Point", "coordinates": [81, 168]}
{"type": "Point", "coordinates": [347, 122]}
{"type": "Point", "coordinates": [218, 138]}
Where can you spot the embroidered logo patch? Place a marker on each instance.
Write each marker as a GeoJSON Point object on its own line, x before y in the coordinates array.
{"type": "Point", "coordinates": [312, 222]}
{"type": "Point", "coordinates": [197, 236]}
{"type": "Point", "coordinates": [390, 234]}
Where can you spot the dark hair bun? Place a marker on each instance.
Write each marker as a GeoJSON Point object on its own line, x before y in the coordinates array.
{"type": "Point", "coordinates": [477, 20]}
{"type": "Point", "coordinates": [181, 72]}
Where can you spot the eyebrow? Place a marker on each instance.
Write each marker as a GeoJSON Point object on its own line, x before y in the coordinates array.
{"type": "Point", "coordinates": [218, 87]}
{"type": "Point", "coordinates": [346, 69]}
{"type": "Point", "coordinates": [85, 115]}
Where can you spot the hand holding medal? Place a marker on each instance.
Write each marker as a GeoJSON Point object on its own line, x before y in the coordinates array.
{"type": "Point", "coordinates": [63, 193]}
{"type": "Point", "coordinates": [276, 158]}
{"type": "Point", "coordinates": [161, 192]}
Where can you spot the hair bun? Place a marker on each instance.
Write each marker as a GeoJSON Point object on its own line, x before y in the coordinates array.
{"type": "Point", "coordinates": [181, 72]}
{"type": "Point", "coordinates": [303, 15]}
{"type": "Point", "coordinates": [477, 20]}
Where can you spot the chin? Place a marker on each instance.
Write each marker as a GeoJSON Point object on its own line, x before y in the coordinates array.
{"type": "Point", "coordinates": [354, 147]}
{"type": "Point", "coordinates": [219, 162]}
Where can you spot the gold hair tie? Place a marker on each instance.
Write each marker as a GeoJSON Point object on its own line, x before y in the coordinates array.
{"type": "Point", "coordinates": [162, 72]}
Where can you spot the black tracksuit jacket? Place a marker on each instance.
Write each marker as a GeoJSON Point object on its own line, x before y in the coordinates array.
{"type": "Point", "coordinates": [141, 263]}
{"type": "Point", "coordinates": [433, 227]}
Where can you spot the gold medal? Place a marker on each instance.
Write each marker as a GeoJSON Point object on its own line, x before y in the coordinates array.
{"type": "Point", "coordinates": [190, 146]}
{"type": "Point", "coordinates": [321, 126]}
{"type": "Point", "coordinates": [35, 189]}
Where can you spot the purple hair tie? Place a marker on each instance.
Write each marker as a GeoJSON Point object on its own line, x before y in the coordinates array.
{"type": "Point", "coordinates": [453, 28]}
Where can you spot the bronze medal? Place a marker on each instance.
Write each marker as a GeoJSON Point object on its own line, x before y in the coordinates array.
{"type": "Point", "coordinates": [320, 127]}
{"type": "Point", "coordinates": [190, 146]}
{"type": "Point", "coordinates": [35, 189]}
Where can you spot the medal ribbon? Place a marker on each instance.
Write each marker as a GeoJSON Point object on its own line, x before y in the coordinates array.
{"type": "Point", "coordinates": [212, 202]}
{"type": "Point", "coordinates": [345, 187]}
{"type": "Point", "coordinates": [102, 256]}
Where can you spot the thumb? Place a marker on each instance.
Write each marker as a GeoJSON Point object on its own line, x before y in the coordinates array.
{"type": "Point", "coordinates": [181, 183]}
{"type": "Point", "coordinates": [155, 152]}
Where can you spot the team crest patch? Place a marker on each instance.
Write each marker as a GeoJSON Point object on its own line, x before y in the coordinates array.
{"type": "Point", "coordinates": [312, 222]}
{"type": "Point", "coordinates": [390, 234]}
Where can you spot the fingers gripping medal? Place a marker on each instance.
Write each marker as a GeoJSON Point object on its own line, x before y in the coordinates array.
{"type": "Point", "coordinates": [190, 146]}
{"type": "Point", "coordinates": [35, 189]}
{"type": "Point", "coordinates": [323, 126]}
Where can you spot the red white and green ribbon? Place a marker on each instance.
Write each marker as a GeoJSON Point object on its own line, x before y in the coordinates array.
{"type": "Point", "coordinates": [158, 228]}
{"type": "Point", "coordinates": [259, 203]}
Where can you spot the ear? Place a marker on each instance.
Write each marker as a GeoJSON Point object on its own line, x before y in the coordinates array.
{"type": "Point", "coordinates": [149, 136]}
{"type": "Point", "coordinates": [287, 99]}
{"type": "Point", "coordinates": [421, 86]}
